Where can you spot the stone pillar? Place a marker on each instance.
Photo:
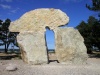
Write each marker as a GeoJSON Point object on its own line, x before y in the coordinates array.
{"type": "Point", "coordinates": [70, 46]}
{"type": "Point", "coordinates": [33, 48]}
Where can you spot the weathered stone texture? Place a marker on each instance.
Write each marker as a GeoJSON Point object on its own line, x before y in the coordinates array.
{"type": "Point", "coordinates": [33, 47]}
{"type": "Point", "coordinates": [70, 46]}
{"type": "Point", "coordinates": [37, 20]}
{"type": "Point", "coordinates": [32, 28]}
{"type": "Point", "coordinates": [31, 39]}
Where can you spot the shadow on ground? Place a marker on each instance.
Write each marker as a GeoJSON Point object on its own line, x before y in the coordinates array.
{"type": "Point", "coordinates": [9, 56]}
{"type": "Point", "coordinates": [94, 55]}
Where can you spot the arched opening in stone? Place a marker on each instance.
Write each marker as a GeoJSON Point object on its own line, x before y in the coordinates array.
{"type": "Point", "coordinates": [50, 44]}
{"type": "Point", "coordinates": [50, 39]}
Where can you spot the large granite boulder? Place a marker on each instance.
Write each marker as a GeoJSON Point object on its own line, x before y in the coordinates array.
{"type": "Point", "coordinates": [33, 49]}
{"type": "Point", "coordinates": [70, 48]}
{"type": "Point", "coordinates": [38, 19]}
{"type": "Point", "coordinates": [31, 38]}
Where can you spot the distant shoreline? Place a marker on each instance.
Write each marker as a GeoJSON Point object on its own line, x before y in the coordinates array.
{"type": "Point", "coordinates": [2, 50]}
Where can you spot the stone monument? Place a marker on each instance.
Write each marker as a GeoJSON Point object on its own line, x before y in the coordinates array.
{"type": "Point", "coordinates": [70, 46]}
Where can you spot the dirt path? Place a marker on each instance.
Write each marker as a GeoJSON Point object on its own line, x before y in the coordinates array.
{"type": "Point", "coordinates": [54, 68]}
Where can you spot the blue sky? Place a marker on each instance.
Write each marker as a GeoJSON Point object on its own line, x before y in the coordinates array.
{"type": "Point", "coordinates": [75, 9]}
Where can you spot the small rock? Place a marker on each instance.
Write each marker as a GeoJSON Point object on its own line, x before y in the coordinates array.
{"type": "Point", "coordinates": [11, 67]}
{"type": "Point", "coordinates": [3, 63]}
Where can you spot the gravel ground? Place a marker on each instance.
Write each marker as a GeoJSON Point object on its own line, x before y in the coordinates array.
{"type": "Point", "coordinates": [54, 68]}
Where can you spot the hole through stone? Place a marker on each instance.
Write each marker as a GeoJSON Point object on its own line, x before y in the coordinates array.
{"type": "Point", "coordinates": [50, 39]}
{"type": "Point", "coordinates": [50, 43]}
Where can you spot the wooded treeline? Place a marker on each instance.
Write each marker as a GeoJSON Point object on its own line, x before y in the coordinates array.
{"type": "Point", "coordinates": [91, 33]}
{"type": "Point", "coordinates": [91, 30]}
{"type": "Point", "coordinates": [7, 37]}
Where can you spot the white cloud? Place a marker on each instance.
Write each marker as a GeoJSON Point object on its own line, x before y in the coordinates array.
{"type": "Point", "coordinates": [15, 10]}
{"type": "Point", "coordinates": [5, 6]}
{"type": "Point", "coordinates": [6, 0]}
{"type": "Point", "coordinates": [73, 0]}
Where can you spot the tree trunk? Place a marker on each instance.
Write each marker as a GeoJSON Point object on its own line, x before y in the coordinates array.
{"type": "Point", "coordinates": [5, 48]}
{"type": "Point", "coordinates": [89, 51]}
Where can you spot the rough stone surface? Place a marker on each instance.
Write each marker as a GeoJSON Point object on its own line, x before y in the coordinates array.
{"type": "Point", "coordinates": [32, 29]}
{"type": "Point", "coordinates": [33, 49]}
{"type": "Point", "coordinates": [37, 20]}
{"type": "Point", "coordinates": [11, 67]}
{"type": "Point", "coordinates": [69, 43]}
{"type": "Point", "coordinates": [70, 46]}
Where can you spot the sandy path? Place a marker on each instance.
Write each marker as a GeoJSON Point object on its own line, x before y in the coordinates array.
{"type": "Point", "coordinates": [93, 68]}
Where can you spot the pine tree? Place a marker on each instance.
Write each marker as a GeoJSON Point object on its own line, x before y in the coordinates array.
{"type": "Point", "coordinates": [91, 33]}
{"type": "Point", "coordinates": [95, 7]}
{"type": "Point", "coordinates": [6, 36]}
